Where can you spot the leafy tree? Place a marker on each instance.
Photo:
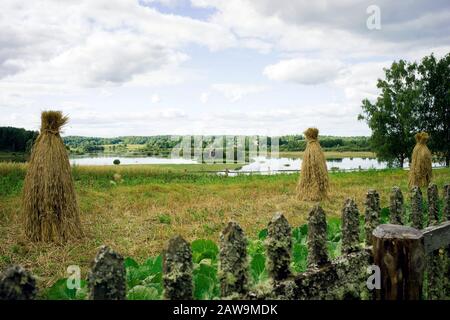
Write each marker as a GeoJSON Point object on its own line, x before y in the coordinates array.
{"type": "Point", "coordinates": [434, 115]}
{"type": "Point", "coordinates": [393, 116]}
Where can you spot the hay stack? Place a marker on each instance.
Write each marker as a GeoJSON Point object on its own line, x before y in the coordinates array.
{"type": "Point", "coordinates": [49, 201]}
{"type": "Point", "coordinates": [313, 184]}
{"type": "Point", "coordinates": [420, 168]}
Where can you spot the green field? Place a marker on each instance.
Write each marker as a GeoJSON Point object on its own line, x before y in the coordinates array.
{"type": "Point", "coordinates": [139, 211]}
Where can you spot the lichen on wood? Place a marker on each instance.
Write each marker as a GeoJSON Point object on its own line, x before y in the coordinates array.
{"type": "Point", "coordinates": [233, 261]}
{"type": "Point", "coordinates": [107, 277]}
{"type": "Point", "coordinates": [372, 214]}
{"type": "Point", "coordinates": [317, 237]}
{"type": "Point", "coordinates": [433, 209]}
{"type": "Point", "coordinates": [177, 270]}
{"type": "Point", "coordinates": [350, 226]}
{"type": "Point", "coordinates": [17, 284]}
{"type": "Point", "coordinates": [416, 208]}
{"type": "Point", "coordinates": [279, 247]}
{"type": "Point", "coordinates": [396, 211]}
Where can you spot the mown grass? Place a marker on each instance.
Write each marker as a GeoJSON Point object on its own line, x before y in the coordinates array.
{"type": "Point", "coordinates": [138, 213]}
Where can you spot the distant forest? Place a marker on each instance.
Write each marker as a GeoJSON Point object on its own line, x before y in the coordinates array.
{"type": "Point", "coordinates": [16, 139]}
{"type": "Point", "coordinates": [20, 140]}
{"type": "Point", "coordinates": [155, 144]}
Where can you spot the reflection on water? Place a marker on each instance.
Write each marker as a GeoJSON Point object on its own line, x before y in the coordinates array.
{"type": "Point", "coordinates": [108, 160]}
{"type": "Point", "coordinates": [262, 165]}
{"type": "Point", "coordinates": [273, 165]}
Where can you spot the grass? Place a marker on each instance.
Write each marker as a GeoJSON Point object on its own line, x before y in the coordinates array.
{"type": "Point", "coordinates": [152, 203]}
{"type": "Point", "coordinates": [12, 156]}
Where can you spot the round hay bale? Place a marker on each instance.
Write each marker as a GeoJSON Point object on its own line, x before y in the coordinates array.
{"type": "Point", "coordinates": [420, 171]}
{"type": "Point", "coordinates": [49, 202]}
{"type": "Point", "coordinates": [313, 184]}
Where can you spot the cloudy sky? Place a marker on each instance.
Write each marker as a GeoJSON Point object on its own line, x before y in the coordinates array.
{"type": "Point", "coordinates": [146, 67]}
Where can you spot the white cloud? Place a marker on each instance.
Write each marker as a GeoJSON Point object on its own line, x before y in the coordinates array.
{"type": "Point", "coordinates": [204, 97]}
{"type": "Point", "coordinates": [95, 43]}
{"type": "Point", "coordinates": [235, 91]}
{"type": "Point", "coordinates": [156, 98]}
{"type": "Point", "coordinates": [304, 71]}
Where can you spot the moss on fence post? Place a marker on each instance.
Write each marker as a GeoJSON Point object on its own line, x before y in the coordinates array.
{"type": "Point", "coordinates": [279, 247]}
{"type": "Point", "coordinates": [350, 227]}
{"type": "Point", "coordinates": [433, 209]}
{"type": "Point", "coordinates": [435, 263]}
{"type": "Point", "coordinates": [17, 284]}
{"type": "Point", "coordinates": [107, 277]}
{"type": "Point", "coordinates": [416, 207]}
{"type": "Point", "coordinates": [446, 198]}
{"type": "Point", "coordinates": [372, 214]}
{"type": "Point", "coordinates": [233, 261]}
{"type": "Point", "coordinates": [317, 237]}
{"type": "Point", "coordinates": [177, 270]}
{"type": "Point", "coordinates": [446, 216]}
{"type": "Point", "coordinates": [396, 211]}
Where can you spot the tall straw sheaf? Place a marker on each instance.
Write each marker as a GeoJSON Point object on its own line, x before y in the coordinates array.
{"type": "Point", "coordinates": [313, 184]}
{"type": "Point", "coordinates": [420, 171]}
{"type": "Point", "coordinates": [49, 202]}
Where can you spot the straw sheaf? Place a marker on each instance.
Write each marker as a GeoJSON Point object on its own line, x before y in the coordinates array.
{"type": "Point", "coordinates": [422, 137]}
{"type": "Point", "coordinates": [311, 134]}
{"type": "Point", "coordinates": [49, 202]}
{"type": "Point", "coordinates": [420, 172]}
{"type": "Point", "coordinates": [314, 183]}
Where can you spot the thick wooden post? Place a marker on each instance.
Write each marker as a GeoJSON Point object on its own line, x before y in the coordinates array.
{"type": "Point", "coordinates": [399, 253]}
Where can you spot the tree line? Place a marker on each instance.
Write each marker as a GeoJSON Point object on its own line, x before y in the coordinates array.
{"type": "Point", "coordinates": [164, 143]}
{"type": "Point", "coordinates": [414, 97]}
{"type": "Point", "coordinates": [16, 139]}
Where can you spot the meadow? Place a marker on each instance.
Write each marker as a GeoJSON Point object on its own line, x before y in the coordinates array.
{"type": "Point", "coordinates": [136, 209]}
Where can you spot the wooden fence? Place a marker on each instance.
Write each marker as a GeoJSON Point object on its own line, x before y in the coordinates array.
{"type": "Point", "coordinates": [405, 257]}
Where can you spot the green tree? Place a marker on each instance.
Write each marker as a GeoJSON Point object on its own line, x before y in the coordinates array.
{"type": "Point", "coordinates": [393, 116]}
{"type": "Point", "coordinates": [435, 111]}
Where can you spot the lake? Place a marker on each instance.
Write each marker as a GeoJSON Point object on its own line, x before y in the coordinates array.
{"type": "Point", "coordinates": [262, 165]}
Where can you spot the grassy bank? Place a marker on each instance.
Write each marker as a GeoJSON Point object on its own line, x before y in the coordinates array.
{"type": "Point", "coordinates": [138, 213]}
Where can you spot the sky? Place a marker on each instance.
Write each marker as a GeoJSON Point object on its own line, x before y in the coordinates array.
{"type": "Point", "coordinates": [149, 67]}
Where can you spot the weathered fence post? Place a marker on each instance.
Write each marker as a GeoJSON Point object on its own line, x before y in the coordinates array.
{"type": "Point", "coordinates": [350, 227]}
{"type": "Point", "coordinates": [446, 216]}
{"type": "Point", "coordinates": [416, 207]}
{"type": "Point", "coordinates": [446, 199]}
{"type": "Point", "coordinates": [396, 206]}
{"type": "Point", "coordinates": [372, 214]}
{"type": "Point", "coordinates": [433, 209]}
{"type": "Point", "coordinates": [317, 238]}
{"type": "Point", "coordinates": [233, 261]}
{"type": "Point", "coordinates": [177, 270]}
{"type": "Point", "coordinates": [107, 277]}
{"type": "Point", "coordinates": [17, 284]}
{"type": "Point", "coordinates": [399, 253]}
{"type": "Point", "coordinates": [279, 247]}
{"type": "Point", "coordinates": [435, 265]}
